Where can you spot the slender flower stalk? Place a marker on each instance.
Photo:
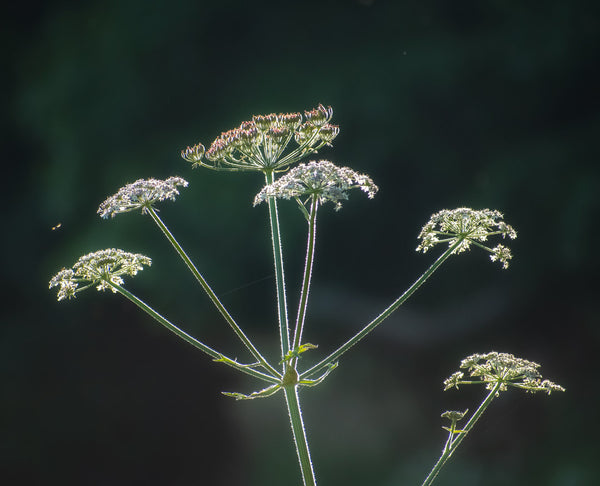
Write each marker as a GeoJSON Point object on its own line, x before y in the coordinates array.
{"type": "Point", "coordinates": [456, 437]}
{"type": "Point", "coordinates": [282, 314]}
{"type": "Point", "coordinates": [217, 356]}
{"type": "Point", "coordinates": [335, 355]}
{"type": "Point", "coordinates": [308, 266]}
{"type": "Point", "coordinates": [213, 297]}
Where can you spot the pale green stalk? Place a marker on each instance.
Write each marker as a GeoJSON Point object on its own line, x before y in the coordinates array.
{"type": "Point", "coordinates": [190, 339]}
{"type": "Point", "coordinates": [452, 443]}
{"type": "Point", "coordinates": [279, 276]}
{"type": "Point", "coordinates": [293, 405]}
{"type": "Point", "coordinates": [310, 254]}
{"type": "Point", "coordinates": [213, 297]}
{"type": "Point", "coordinates": [333, 357]}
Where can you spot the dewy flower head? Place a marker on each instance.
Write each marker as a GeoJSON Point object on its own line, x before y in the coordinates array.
{"type": "Point", "coordinates": [501, 368]}
{"type": "Point", "coordinates": [259, 144]}
{"type": "Point", "coordinates": [323, 180]}
{"type": "Point", "coordinates": [141, 194]}
{"type": "Point", "coordinates": [467, 226]}
{"type": "Point", "coordinates": [98, 268]}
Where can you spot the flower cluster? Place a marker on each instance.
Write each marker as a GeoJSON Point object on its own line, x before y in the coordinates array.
{"type": "Point", "coordinates": [323, 180]}
{"type": "Point", "coordinates": [501, 368]}
{"type": "Point", "coordinates": [259, 144]}
{"type": "Point", "coordinates": [467, 226]}
{"type": "Point", "coordinates": [98, 268]}
{"type": "Point", "coordinates": [141, 194]}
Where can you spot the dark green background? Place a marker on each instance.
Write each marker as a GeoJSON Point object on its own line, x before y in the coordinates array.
{"type": "Point", "coordinates": [445, 104]}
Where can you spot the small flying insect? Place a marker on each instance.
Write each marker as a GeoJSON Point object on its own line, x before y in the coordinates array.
{"type": "Point", "coordinates": [54, 228]}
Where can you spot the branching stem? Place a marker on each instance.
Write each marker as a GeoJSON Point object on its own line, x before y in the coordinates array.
{"type": "Point", "coordinates": [453, 442]}
{"type": "Point", "coordinates": [213, 297]}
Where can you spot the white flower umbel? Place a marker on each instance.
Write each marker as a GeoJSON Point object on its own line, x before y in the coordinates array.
{"type": "Point", "coordinates": [467, 226]}
{"type": "Point", "coordinates": [100, 268]}
{"type": "Point", "coordinates": [501, 369]}
{"type": "Point", "coordinates": [141, 194]}
{"type": "Point", "coordinates": [323, 180]}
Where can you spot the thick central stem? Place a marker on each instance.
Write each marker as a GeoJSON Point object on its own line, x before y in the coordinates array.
{"type": "Point", "coordinates": [293, 405]}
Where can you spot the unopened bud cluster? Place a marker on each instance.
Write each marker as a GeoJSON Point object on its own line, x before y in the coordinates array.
{"type": "Point", "coordinates": [98, 268]}
{"type": "Point", "coordinates": [501, 368]}
{"type": "Point", "coordinates": [467, 226]}
{"type": "Point", "coordinates": [323, 180]}
{"type": "Point", "coordinates": [259, 144]}
{"type": "Point", "coordinates": [141, 194]}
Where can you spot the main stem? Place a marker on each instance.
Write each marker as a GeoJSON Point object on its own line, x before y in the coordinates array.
{"type": "Point", "coordinates": [452, 445]}
{"type": "Point", "coordinates": [190, 339]}
{"type": "Point", "coordinates": [279, 277]}
{"type": "Point", "coordinates": [213, 297]}
{"type": "Point", "coordinates": [381, 317]}
{"type": "Point", "coordinates": [293, 405]}
{"type": "Point", "coordinates": [308, 266]}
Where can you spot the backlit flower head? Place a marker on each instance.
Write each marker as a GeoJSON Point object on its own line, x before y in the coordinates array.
{"type": "Point", "coordinates": [262, 144]}
{"type": "Point", "coordinates": [323, 180]}
{"type": "Point", "coordinates": [98, 268]}
{"type": "Point", "coordinates": [468, 226]}
{"type": "Point", "coordinates": [141, 194]}
{"type": "Point", "coordinates": [501, 368]}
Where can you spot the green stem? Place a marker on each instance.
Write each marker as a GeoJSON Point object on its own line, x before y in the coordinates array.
{"type": "Point", "coordinates": [295, 413]}
{"type": "Point", "coordinates": [321, 365]}
{"type": "Point", "coordinates": [213, 297]}
{"type": "Point", "coordinates": [190, 339]}
{"type": "Point", "coordinates": [452, 444]}
{"type": "Point", "coordinates": [279, 277]}
{"type": "Point", "coordinates": [308, 266]}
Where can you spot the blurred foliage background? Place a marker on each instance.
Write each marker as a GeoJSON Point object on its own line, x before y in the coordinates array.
{"type": "Point", "coordinates": [444, 104]}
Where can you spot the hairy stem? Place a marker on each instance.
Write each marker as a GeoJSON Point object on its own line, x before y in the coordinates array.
{"type": "Point", "coordinates": [190, 339]}
{"type": "Point", "coordinates": [308, 266]}
{"type": "Point", "coordinates": [321, 365]}
{"type": "Point", "coordinates": [453, 443]}
{"type": "Point", "coordinates": [295, 413]}
{"type": "Point", "coordinates": [279, 277]}
{"type": "Point", "coordinates": [213, 297]}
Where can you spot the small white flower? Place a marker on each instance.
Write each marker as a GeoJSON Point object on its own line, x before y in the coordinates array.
{"type": "Point", "coordinates": [502, 368]}
{"type": "Point", "coordinates": [323, 180]}
{"type": "Point", "coordinates": [468, 226]}
{"type": "Point", "coordinates": [141, 194]}
{"type": "Point", "coordinates": [98, 268]}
